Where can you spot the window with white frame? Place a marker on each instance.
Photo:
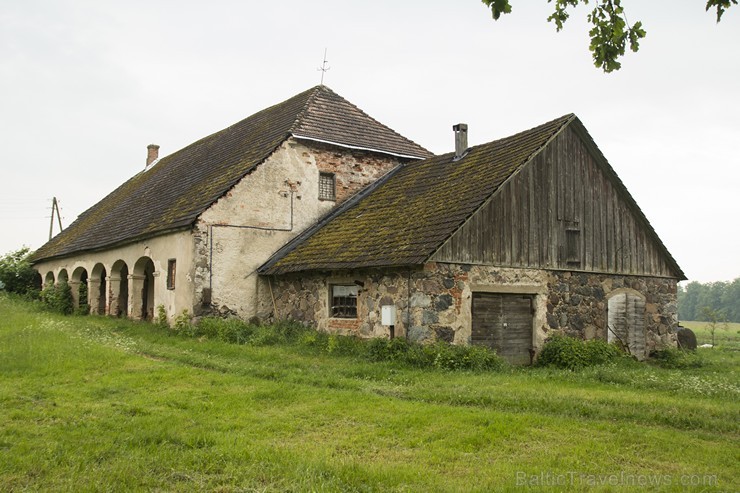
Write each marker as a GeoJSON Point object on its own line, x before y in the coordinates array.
{"type": "Point", "coordinates": [343, 300]}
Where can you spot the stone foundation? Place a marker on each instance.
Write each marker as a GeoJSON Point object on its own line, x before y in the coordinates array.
{"type": "Point", "coordinates": [434, 302]}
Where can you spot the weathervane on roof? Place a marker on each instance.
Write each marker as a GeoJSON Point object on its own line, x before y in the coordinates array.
{"type": "Point", "coordinates": [324, 68]}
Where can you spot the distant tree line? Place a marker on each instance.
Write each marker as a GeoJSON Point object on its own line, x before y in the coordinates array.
{"type": "Point", "coordinates": [722, 298]}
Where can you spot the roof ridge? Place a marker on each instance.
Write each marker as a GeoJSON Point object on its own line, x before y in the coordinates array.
{"type": "Point", "coordinates": [301, 114]}
{"type": "Point", "coordinates": [318, 90]}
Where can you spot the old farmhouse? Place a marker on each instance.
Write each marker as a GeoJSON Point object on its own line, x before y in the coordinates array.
{"type": "Point", "coordinates": [312, 210]}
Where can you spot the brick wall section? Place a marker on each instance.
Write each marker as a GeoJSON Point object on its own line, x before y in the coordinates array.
{"type": "Point", "coordinates": [353, 169]}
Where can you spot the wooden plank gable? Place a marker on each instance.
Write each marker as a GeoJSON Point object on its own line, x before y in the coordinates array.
{"type": "Point", "coordinates": [564, 210]}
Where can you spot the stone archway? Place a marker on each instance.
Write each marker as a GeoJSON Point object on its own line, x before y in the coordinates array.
{"type": "Point", "coordinates": [142, 289]}
{"type": "Point", "coordinates": [118, 289]}
{"type": "Point", "coordinates": [97, 289]}
{"type": "Point", "coordinates": [79, 288]}
{"type": "Point", "coordinates": [49, 279]}
{"type": "Point", "coordinates": [63, 277]}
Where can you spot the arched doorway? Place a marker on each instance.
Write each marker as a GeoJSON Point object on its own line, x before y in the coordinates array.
{"type": "Point", "coordinates": [626, 321]}
{"type": "Point", "coordinates": [142, 286]}
{"type": "Point", "coordinates": [79, 288]}
{"type": "Point", "coordinates": [38, 282]}
{"type": "Point", "coordinates": [118, 287]}
{"type": "Point", "coordinates": [97, 289]}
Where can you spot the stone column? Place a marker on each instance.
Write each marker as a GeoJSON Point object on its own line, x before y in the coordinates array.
{"type": "Point", "coordinates": [93, 297]}
{"type": "Point", "coordinates": [135, 296]}
{"type": "Point", "coordinates": [114, 290]}
{"type": "Point", "coordinates": [74, 287]}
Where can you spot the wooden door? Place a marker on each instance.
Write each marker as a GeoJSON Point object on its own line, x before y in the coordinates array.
{"type": "Point", "coordinates": [626, 319]}
{"type": "Point", "coordinates": [504, 322]}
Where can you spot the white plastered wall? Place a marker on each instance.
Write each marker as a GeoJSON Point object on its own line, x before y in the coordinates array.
{"type": "Point", "coordinates": [160, 249]}
{"type": "Point", "coordinates": [238, 233]}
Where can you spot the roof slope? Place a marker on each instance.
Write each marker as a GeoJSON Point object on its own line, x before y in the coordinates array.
{"type": "Point", "coordinates": [181, 186]}
{"type": "Point", "coordinates": [413, 211]}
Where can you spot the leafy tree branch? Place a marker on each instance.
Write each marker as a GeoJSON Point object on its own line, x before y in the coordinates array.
{"type": "Point", "coordinates": [611, 33]}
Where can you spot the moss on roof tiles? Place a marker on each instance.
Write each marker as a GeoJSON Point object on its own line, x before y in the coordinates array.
{"type": "Point", "coordinates": [405, 219]}
{"type": "Point", "coordinates": [181, 186]}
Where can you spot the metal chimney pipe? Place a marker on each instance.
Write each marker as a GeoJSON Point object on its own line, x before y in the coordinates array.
{"type": "Point", "coordinates": [461, 139]}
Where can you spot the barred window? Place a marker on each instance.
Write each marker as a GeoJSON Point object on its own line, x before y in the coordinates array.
{"type": "Point", "coordinates": [327, 186]}
{"type": "Point", "coordinates": [171, 270]}
{"type": "Point", "coordinates": [344, 301]}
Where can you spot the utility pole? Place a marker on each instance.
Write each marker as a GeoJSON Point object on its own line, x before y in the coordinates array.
{"type": "Point", "coordinates": [54, 210]}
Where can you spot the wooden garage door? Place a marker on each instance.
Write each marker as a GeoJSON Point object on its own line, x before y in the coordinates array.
{"type": "Point", "coordinates": [504, 322]}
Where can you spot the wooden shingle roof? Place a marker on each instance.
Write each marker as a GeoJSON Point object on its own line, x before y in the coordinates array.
{"type": "Point", "coordinates": [174, 192]}
{"type": "Point", "coordinates": [410, 213]}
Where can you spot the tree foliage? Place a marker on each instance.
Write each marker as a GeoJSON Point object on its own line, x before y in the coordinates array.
{"type": "Point", "coordinates": [610, 33]}
{"type": "Point", "coordinates": [720, 297]}
{"type": "Point", "coordinates": [16, 273]}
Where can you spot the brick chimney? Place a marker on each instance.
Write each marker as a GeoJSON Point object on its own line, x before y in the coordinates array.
{"type": "Point", "coordinates": [152, 153]}
{"type": "Point", "coordinates": [461, 139]}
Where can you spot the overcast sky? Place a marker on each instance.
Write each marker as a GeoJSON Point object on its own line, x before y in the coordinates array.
{"type": "Point", "coordinates": [86, 85]}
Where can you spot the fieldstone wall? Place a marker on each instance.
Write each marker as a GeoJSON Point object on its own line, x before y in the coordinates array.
{"type": "Point", "coordinates": [433, 302]}
{"type": "Point", "coordinates": [577, 305]}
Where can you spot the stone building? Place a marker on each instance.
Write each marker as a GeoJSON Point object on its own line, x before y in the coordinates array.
{"type": "Point", "coordinates": [498, 244]}
{"type": "Point", "coordinates": [312, 210]}
{"type": "Point", "coordinates": [190, 229]}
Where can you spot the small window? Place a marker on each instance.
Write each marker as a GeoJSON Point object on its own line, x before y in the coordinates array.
{"type": "Point", "coordinates": [327, 186]}
{"type": "Point", "coordinates": [573, 246]}
{"type": "Point", "coordinates": [171, 270]}
{"type": "Point", "coordinates": [344, 301]}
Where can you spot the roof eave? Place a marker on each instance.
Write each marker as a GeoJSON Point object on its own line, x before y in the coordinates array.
{"type": "Point", "coordinates": [348, 146]}
{"type": "Point", "coordinates": [127, 241]}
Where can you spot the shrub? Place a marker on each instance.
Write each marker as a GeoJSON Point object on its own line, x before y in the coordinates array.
{"type": "Point", "coordinates": [440, 355]}
{"type": "Point", "coordinates": [16, 273]}
{"type": "Point", "coordinates": [183, 324]}
{"type": "Point", "coordinates": [58, 298]}
{"type": "Point", "coordinates": [676, 359]}
{"type": "Point", "coordinates": [573, 354]}
{"type": "Point", "coordinates": [161, 316]}
{"type": "Point", "coordinates": [387, 349]}
{"type": "Point", "coordinates": [266, 336]}
{"type": "Point", "coordinates": [345, 345]}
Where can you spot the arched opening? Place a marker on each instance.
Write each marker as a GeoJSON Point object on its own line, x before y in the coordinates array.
{"type": "Point", "coordinates": [97, 289]}
{"type": "Point", "coordinates": [79, 287]}
{"type": "Point", "coordinates": [63, 277]}
{"type": "Point", "coordinates": [142, 288]}
{"type": "Point", "coordinates": [118, 289]}
{"type": "Point", "coordinates": [49, 279]}
{"type": "Point", "coordinates": [38, 282]}
{"type": "Point", "coordinates": [626, 321]}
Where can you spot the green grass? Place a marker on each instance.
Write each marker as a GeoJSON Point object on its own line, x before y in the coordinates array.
{"type": "Point", "coordinates": [91, 404]}
{"type": "Point", "coordinates": [726, 336]}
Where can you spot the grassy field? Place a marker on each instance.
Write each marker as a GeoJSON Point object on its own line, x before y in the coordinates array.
{"type": "Point", "coordinates": [97, 404]}
{"type": "Point", "coordinates": [726, 336]}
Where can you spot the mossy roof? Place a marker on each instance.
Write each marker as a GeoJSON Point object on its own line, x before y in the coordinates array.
{"type": "Point", "coordinates": [179, 187]}
{"type": "Point", "coordinates": [410, 213]}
